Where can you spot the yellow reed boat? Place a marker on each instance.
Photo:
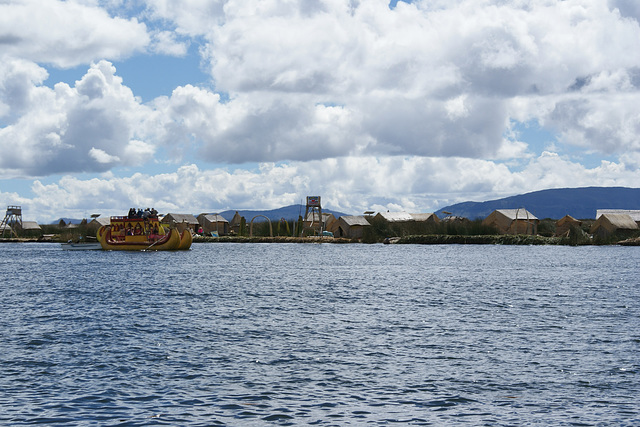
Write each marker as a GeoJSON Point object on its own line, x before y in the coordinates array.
{"type": "Point", "coordinates": [137, 233]}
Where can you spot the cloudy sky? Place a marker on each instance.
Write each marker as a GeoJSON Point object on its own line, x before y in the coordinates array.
{"type": "Point", "coordinates": [207, 105]}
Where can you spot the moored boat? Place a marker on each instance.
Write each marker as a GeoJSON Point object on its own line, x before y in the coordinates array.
{"type": "Point", "coordinates": [138, 233]}
{"type": "Point", "coordinates": [186, 238]}
{"type": "Point", "coordinates": [81, 246]}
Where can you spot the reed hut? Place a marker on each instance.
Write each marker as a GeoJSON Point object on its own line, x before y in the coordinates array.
{"type": "Point", "coordinates": [349, 226]}
{"type": "Point", "coordinates": [609, 224]}
{"type": "Point", "coordinates": [634, 214]}
{"type": "Point", "coordinates": [236, 223]}
{"type": "Point", "coordinates": [429, 218]}
{"type": "Point", "coordinates": [395, 217]}
{"type": "Point", "coordinates": [181, 221]}
{"type": "Point", "coordinates": [565, 224]}
{"type": "Point", "coordinates": [513, 221]}
{"type": "Point", "coordinates": [213, 223]}
{"type": "Point", "coordinates": [96, 223]}
{"type": "Point", "coordinates": [29, 229]}
{"type": "Point", "coordinates": [312, 220]}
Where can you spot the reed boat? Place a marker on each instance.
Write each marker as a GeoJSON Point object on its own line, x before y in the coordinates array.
{"type": "Point", "coordinates": [186, 238]}
{"type": "Point", "coordinates": [136, 233]}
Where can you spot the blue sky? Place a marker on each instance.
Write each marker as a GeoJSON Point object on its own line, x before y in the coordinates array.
{"type": "Point", "coordinates": [226, 104]}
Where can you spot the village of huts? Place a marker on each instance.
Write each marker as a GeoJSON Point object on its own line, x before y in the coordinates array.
{"type": "Point", "coordinates": [609, 225]}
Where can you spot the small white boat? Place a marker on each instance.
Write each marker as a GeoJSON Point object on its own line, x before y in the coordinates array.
{"type": "Point", "coordinates": [81, 246]}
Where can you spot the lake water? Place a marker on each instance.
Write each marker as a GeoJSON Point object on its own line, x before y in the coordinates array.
{"type": "Point", "coordinates": [320, 334]}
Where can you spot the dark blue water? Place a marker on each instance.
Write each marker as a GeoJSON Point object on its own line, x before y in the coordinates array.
{"type": "Point", "coordinates": [310, 334]}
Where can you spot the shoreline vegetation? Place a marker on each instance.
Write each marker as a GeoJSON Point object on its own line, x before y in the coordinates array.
{"type": "Point", "coordinates": [467, 233]}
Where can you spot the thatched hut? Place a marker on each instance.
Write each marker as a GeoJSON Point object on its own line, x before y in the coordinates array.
{"type": "Point", "coordinates": [213, 223]}
{"type": "Point", "coordinates": [609, 224]}
{"type": "Point", "coordinates": [349, 226]}
{"type": "Point", "coordinates": [30, 229]}
{"type": "Point", "coordinates": [96, 223]}
{"type": "Point", "coordinates": [565, 224]}
{"type": "Point", "coordinates": [312, 220]}
{"type": "Point", "coordinates": [181, 221]}
{"type": "Point", "coordinates": [395, 217]}
{"type": "Point", "coordinates": [513, 221]}
{"type": "Point", "coordinates": [236, 223]}
{"type": "Point", "coordinates": [429, 218]}
{"type": "Point", "coordinates": [634, 214]}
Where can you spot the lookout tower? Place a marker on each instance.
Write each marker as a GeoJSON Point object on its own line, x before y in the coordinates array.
{"type": "Point", "coordinates": [12, 218]}
{"type": "Point", "coordinates": [313, 216]}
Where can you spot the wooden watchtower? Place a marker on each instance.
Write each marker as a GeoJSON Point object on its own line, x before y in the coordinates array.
{"type": "Point", "coordinates": [12, 218]}
{"type": "Point", "coordinates": [313, 216]}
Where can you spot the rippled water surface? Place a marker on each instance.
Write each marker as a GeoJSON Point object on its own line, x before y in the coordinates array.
{"type": "Point", "coordinates": [320, 334]}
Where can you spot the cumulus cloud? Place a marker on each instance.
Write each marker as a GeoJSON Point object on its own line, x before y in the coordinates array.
{"type": "Point", "coordinates": [627, 8]}
{"type": "Point", "coordinates": [307, 82]}
{"type": "Point", "coordinates": [91, 127]}
{"type": "Point", "coordinates": [347, 184]}
{"type": "Point", "coordinates": [166, 43]}
{"type": "Point", "coordinates": [422, 79]}
{"type": "Point", "coordinates": [66, 33]}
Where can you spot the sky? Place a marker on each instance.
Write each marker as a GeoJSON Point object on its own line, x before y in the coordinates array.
{"type": "Point", "coordinates": [192, 106]}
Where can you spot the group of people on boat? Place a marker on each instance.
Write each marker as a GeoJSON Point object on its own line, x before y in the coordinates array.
{"type": "Point", "coordinates": [147, 213]}
{"type": "Point", "coordinates": [151, 231]}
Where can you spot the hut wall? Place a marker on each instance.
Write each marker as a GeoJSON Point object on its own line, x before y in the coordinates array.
{"type": "Point", "coordinates": [499, 221]}
{"type": "Point", "coordinates": [221, 227]}
{"type": "Point", "coordinates": [523, 227]}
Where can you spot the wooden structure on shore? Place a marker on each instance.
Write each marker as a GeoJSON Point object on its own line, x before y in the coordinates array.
{"type": "Point", "coordinates": [313, 217]}
{"type": "Point", "coordinates": [12, 219]}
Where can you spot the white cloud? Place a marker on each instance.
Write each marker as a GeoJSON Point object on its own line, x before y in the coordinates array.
{"type": "Point", "coordinates": [87, 128]}
{"type": "Point", "coordinates": [627, 8]}
{"type": "Point", "coordinates": [348, 184]}
{"type": "Point", "coordinates": [66, 33]}
{"type": "Point", "coordinates": [423, 79]}
{"type": "Point", "coordinates": [102, 156]}
{"type": "Point", "coordinates": [192, 17]}
{"type": "Point", "coordinates": [165, 42]}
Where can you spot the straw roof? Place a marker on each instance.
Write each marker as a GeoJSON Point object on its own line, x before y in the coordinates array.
{"type": "Point", "coordinates": [619, 221]}
{"type": "Point", "coordinates": [100, 221]}
{"type": "Point", "coordinates": [517, 213]}
{"type": "Point", "coordinates": [396, 216]}
{"type": "Point", "coordinates": [30, 225]}
{"type": "Point", "coordinates": [634, 214]}
{"type": "Point", "coordinates": [424, 217]}
{"type": "Point", "coordinates": [568, 219]}
{"type": "Point", "coordinates": [179, 218]}
{"type": "Point", "coordinates": [353, 220]}
{"type": "Point", "coordinates": [212, 217]}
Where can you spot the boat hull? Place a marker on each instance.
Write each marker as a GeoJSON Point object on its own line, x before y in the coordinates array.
{"type": "Point", "coordinates": [186, 238]}
{"type": "Point", "coordinates": [167, 242]}
{"type": "Point", "coordinates": [81, 246]}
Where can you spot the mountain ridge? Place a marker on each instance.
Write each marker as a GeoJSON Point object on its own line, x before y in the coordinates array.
{"type": "Point", "coordinates": [580, 203]}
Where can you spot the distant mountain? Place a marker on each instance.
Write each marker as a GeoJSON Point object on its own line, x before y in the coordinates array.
{"type": "Point", "coordinates": [288, 212]}
{"type": "Point", "coordinates": [580, 203]}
